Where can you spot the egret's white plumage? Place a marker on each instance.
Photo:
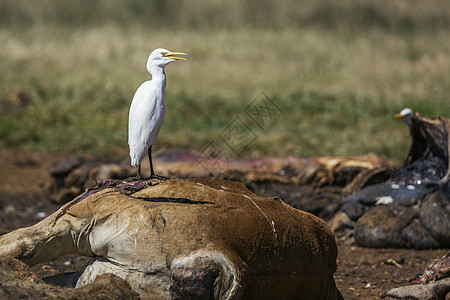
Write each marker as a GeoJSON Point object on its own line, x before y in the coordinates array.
{"type": "Point", "coordinates": [147, 108]}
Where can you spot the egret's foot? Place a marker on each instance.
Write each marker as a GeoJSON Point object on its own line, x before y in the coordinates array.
{"type": "Point", "coordinates": [158, 177]}
{"type": "Point", "coordinates": [136, 178]}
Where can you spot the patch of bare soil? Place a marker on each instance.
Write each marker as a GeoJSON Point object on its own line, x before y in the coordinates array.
{"type": "Point", "coordinates": [363, 273]}
{"type": "Point", "coordinates": [22, 202]}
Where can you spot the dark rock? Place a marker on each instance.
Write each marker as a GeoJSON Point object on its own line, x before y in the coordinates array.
{"type": "Point", "coordinates": [435, 217]}
{"type": "Point", "coordinates": [423, 226]}
{"type": "Point", "coordinates": [382, 227]}
{"type": "Point", "coordinates": [418, 237]}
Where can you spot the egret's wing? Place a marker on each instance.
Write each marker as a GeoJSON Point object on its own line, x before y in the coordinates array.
{"type": "Point", "coordinates": [145, 119]}
{"type": "Point", "coordinates": [142, 110]}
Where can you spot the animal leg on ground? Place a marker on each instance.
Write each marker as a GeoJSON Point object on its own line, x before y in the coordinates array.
{"type": "Point", "coordinates": [48, 239]}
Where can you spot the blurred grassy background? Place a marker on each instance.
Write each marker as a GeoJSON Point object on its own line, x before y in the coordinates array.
{"type": "Point", "coordinates": [338, 70]}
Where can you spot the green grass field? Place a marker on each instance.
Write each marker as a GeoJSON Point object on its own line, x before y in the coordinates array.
{"type": "Point", "coordinates": [337, 72]}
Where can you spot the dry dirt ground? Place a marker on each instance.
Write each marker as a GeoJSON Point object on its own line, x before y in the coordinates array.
{"type": "Point", "coordinates": [363, 273]}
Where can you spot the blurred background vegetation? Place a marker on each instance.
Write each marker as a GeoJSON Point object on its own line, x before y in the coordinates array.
{"type": "Point", "coordinates": [338, 70]}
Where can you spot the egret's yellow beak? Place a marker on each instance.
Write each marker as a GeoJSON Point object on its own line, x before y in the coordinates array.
{"type": "Point", "coordinates": [171, 55]}
{"type": "Point", "coordinates": [398, 116]}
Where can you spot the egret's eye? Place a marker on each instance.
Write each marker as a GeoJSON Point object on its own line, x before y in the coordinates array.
{"type": "Point", "coordinates": [164, 54]}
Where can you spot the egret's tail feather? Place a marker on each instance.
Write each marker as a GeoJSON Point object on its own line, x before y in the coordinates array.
{"type": "Point", "coordinates": [134, 162]}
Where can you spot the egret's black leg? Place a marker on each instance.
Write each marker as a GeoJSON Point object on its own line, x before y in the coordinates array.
{"type": "Point", "coordinates": [139, 172]}
{"type": "Point", "coordinates": [138, 176]}
{"type": "Point", "coordinates": [152, 172]}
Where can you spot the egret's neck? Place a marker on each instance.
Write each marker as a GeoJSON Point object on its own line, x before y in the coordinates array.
{"type": "Point", "coordinates": [158, 74]}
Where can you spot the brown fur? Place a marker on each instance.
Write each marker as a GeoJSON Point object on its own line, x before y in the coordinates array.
{"type": "Point", "coordinates": [254, 247]}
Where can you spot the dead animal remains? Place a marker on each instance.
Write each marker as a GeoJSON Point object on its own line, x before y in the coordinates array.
{"type": "Point", "coordinates": [187, 239]}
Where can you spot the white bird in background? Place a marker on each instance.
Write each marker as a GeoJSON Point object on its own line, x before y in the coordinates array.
{"type": "Point", "coordinates": [405, 116]}
{"type": "Point", "coordinates": [147, 109]}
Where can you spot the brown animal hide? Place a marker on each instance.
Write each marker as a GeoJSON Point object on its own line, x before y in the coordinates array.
{"type": "Point", "coordinates": [188, 239]}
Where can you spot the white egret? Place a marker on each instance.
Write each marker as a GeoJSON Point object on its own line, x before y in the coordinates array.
{"type": "Point", "coordinates": [147, 109]}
